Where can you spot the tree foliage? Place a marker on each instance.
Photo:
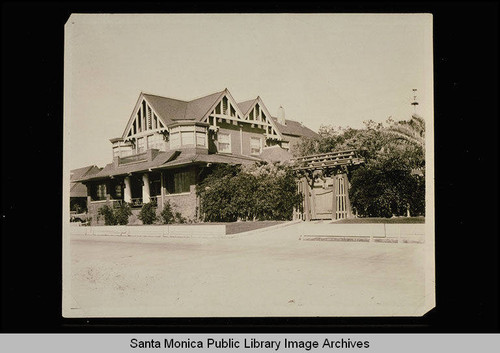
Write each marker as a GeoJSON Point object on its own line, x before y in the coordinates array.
{"type": "Point", "coordinates": [261, 191]}
{"type": "Point", "coordinates": [392, 181]}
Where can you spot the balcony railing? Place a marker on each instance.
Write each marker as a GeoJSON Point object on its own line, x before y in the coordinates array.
{"type": "Point", "coordinates": [134, 158]}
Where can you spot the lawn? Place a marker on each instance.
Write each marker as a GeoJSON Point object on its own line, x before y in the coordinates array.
{"type": "Point", "coordinates": [382, 220]}
{"type": "Point", "coordinates": [239, 227]}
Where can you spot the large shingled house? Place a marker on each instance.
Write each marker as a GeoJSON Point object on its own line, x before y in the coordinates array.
{"type": "Point", "coordinates": [168, 145]}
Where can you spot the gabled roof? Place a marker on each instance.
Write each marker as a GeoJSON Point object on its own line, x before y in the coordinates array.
{"type": "Point", "coordinates": [294, 128]}
{"type": "Point", "coordinates": [246, 105]}
{"type": "Point", "coordinates": [196, 109]}
{"type": "Point", "coordinates": [80, 172]}
{"type": "Point", "coordinates": [78, 189]}
{"type": "Point", "coordinates": [169, 109]}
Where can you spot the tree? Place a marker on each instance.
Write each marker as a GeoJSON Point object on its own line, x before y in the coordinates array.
{"type": "Point", "coordinates": [410, 132]}
{"type": "Point", "coordinates": [388, 183]}
{"type": "Point", "coordinates": [260, 191]}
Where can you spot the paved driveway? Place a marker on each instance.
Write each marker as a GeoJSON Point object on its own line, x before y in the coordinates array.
{"type": "Point", "coordinates": [270, 273]}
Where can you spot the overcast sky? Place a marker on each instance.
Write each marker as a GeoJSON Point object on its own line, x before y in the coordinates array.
{"type": "Point", "coordinates": [323, 69]}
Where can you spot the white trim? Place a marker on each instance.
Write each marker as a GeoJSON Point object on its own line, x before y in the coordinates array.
{"type": "Point", "coordinates": [133, 117]}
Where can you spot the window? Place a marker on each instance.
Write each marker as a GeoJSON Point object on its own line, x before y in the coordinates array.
{"type": "Point", "coordinates": [224, 143]}
{"type": "Point", "coordinates": [179, 182]}
{"type": "Point", "coordinates": [118, 191]}
{"type": "Point", "coordinates": [201, 139]}
{"type": "Point", "coordinates": [175, 140]}
{"type": "Point", "coordinates": [285, 145]}
{"type": "Point", "coordinates": [255, 145]}
{"type": "Point", "coordinates": [187, 137]}
{"type": "Point", "coordinates": [101, 192]}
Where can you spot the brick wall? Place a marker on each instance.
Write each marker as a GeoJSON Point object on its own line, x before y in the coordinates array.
{"type": "Point", "coordinates": [184, 203]}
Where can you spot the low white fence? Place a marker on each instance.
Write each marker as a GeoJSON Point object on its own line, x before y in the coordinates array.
{"type": "Point", "coordinates": [177, 231]}
{"type": "Point", "coordinates": [377, 232]}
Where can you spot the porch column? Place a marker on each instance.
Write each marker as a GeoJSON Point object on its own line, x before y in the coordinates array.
{"type": "Point", "coordinates": [162, 192]}
{"type": "Point", "coordinates": [127, 196]}
{"type": "Point", "coordinates": [145, 188]}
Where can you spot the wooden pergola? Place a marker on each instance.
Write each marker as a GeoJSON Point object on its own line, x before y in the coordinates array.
{"type": "Point", "coordinates": [324, 184]}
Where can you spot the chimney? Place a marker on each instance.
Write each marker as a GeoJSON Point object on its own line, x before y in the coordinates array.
{"type": "Point", "coordinates": [281, 116]}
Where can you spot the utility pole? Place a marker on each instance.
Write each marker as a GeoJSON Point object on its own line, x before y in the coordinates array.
{"type": "Point", "coordinates": [414, 103]}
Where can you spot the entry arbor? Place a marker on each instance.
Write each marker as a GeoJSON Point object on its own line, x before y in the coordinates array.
{"type": "Point", "coordinates": [324, 182]}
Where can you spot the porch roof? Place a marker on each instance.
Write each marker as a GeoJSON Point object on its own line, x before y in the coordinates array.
{"type": "Point", "coordinates": [168, 160]}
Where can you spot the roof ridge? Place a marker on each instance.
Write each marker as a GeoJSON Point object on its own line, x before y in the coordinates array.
{"type": "Point", "coordinates": [156, 95]}
{"type": "Point", "coordinates": [211, 94]}
{"type": "Point", "coordinates": [248, 100]}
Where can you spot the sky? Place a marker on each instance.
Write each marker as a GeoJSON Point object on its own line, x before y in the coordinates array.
{"type": "Point", "coordinates": [323, 69]}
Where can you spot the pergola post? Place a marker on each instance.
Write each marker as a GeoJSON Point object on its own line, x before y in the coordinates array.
{"type": "Point", "coordinates": [146, 195]}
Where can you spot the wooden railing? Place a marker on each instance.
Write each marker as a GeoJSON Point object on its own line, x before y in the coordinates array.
{"type": "Point", "coordinates": [138, 201]}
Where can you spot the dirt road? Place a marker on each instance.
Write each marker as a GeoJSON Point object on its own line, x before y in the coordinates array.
{"type": "Point", "coordinates": [271, 273]}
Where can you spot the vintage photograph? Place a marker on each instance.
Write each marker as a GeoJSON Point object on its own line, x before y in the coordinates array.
{"type": "Point", "coordinates": [248, 165]}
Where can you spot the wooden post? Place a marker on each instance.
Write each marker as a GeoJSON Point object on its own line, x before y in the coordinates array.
{"type": "Point", "coordinates": [348, 202]}
{"type": "Point", "coordinates": [307, 199]}
{"type": "Point", "coordinates": [334, 201]}
{"type": "Point", "coordinates": [241, 140]}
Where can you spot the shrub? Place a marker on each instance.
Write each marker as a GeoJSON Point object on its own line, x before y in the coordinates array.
{"type": "Point", "coordinates": [264, 192]}
{"type": "Point", "coordinates": [179, 218]}
{"type": "Point", "coordinates": [109, 215]}
{"type": "Point", "coordinates": [147, 214]}
{"type": "Point", "coordinates": [122, 214]}
{"type": "Point", "coordinates": [167, 215]}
